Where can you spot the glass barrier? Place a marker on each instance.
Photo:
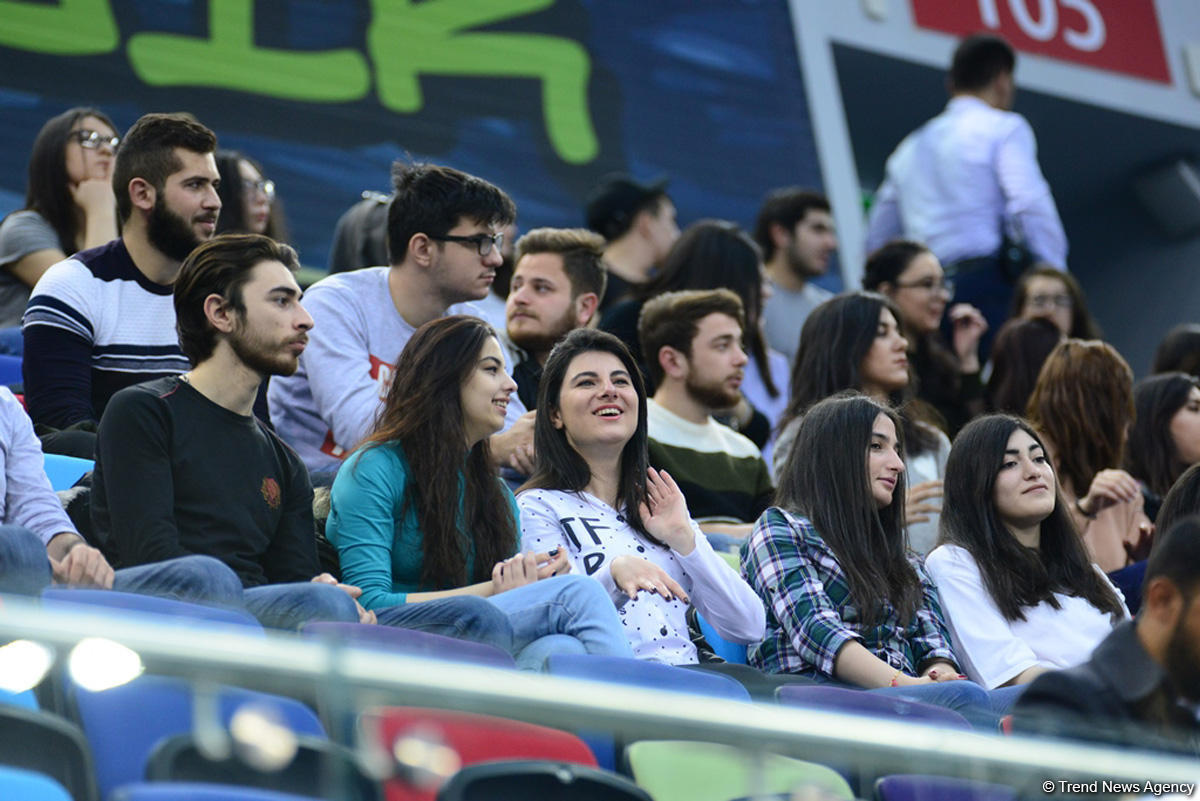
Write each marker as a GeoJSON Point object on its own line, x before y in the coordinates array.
{"type": "Point", "coordinates": [215, 701]}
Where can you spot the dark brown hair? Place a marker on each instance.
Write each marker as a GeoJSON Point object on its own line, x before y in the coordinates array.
{"type": "Point", "coordinates": [673, 320]}
{"type": "Point", "coordinates": [221, 266]}
{"type": "Point", "coordinates": [148, 152]}
{"type": "Point", "coordinates": [1152, 456]}
{"type": "Point", "coordinates": [1083, 325]}
{"type": "Point", "coordinates": [1020, 350]}
{"type": "Point", "coordinates": [48, 192]}
{"type": "Point", "coordinates": [422, 416]}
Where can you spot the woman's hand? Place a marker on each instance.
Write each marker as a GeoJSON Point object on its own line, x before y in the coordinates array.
{"type": "Point", "coordinates": [923, 500]}
{"type": "Point", "coordinates": [1109, 487]}
{"type": "Point", "coordinates": [666, 514]}
{"type": "Point", "coordinates": [942, 671]}
{"type": "Point", "coordinates": [968, 326]}
{"type": "Point", "coordinates": [95, 196]}
{"type": "Point", "coordinates": [552, 564]}
{"type": "Point", "coordinates": [364, 615]}
{"type": "Point", "coordinates": [516, 571]}
{"type": "Point", "coordinates": [632, 574]}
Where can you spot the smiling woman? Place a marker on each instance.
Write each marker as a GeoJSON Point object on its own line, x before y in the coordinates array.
{"type": "Point", "coordinates": [623, 524]}
{"type": "Point", "coordinates": [1020, 592]}
{"type": "Point", "coordinates": [415, 518]}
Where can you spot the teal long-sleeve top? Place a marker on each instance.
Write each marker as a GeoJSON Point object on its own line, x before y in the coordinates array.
{"type": "Point", "coordinates": [380, 545]}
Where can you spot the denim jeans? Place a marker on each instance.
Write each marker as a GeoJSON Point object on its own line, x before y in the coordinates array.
{"type": "Point", "coordinates": [25, 569]}
{"type": "Point", "coordinates": [464, 617]}
{"type": "Point", "coordinates": [561, 614]}
{"type": "Point", "coordinates": [288, 606]}
{"type": "Point", "coordinates": [982, 708]}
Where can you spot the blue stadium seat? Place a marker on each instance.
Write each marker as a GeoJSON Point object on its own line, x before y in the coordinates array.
{"type": "Point", "coordinates": [24, 785]}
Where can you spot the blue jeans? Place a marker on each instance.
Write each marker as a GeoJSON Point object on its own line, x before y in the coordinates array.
{"type": "Point", "coordinates": [982, 708]}
{"type": "Point", "coordinates": [25, 569]}
{"type": "Point", "coordinates": [561, 614]}
{"type": "Point", "coordinates": [464, 617]}
{"type": "Point", "coordinates": [288, 606]}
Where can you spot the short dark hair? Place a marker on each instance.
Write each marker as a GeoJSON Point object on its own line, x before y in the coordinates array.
{"type": "Point", "coordinates": [785, 207]}
{"type": "Point", "coordinates": [978, 60]}
{"type": "Point", "coordinates": [581, 250]}
{"type": "Point", "coordinates": [1176, 555]}
{"type": "Point", "coordinates": [672, 320]}
{"type": "Point", "coordinates": [49, 193]}
{"type": "Point", "coordinates": [615, 202]}
{"type": "Point", "coordinates": [148, 152]}
{"type": "Point", "coordinates": [220, 266]}
{"type": "Point", "coordinates": [430, 199]}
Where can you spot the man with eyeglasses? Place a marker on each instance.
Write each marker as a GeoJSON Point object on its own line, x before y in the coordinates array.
{"type": "Point", "coordinates": [968, 186]}
{"type": "Point", "coordinates": [102, 319]}
{"type": "Point", "coordinates": [444, 239]}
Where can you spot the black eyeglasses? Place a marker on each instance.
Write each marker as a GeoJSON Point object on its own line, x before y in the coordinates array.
{"type": "Point", "coordinates": [93, 140]}
{"type": "Point", "coordinates": [931, 285]}
{"type": "Point", "coordinates": [482, 242]}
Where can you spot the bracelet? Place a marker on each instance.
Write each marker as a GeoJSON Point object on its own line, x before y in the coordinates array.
{"type": "Point", "coordinates": [896, 679]}
{"type": "Point", "coordinates": [1079, 508]}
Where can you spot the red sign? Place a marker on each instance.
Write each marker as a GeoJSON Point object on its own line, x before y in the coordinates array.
{"type": "Point", "coordinates": [1115, 35]}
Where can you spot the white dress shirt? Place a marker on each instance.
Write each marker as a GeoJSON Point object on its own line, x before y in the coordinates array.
{"type": "Point", "coordinates": [961, 180]}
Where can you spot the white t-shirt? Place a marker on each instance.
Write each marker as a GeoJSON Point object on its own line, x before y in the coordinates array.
{"type": "Point", "coordinates": [594, 534]}
{"type": "Point", "coordinates": [992, 649]}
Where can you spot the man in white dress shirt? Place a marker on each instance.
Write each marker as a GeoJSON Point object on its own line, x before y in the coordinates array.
{"type": "Point", "coordinates": [968, 180]}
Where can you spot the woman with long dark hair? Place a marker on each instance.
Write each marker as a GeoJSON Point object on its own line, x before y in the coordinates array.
{"type": "Point", "coordinates": [846, 600]}
{"type": "Point", "coordinates": [1165, 438]}
{"type": "Point", "coordinates": [948, 378]}
{"type": "Point", "coordinates": [1082, 409]}
{"type": "Point", "coordinates": [248, 201]}
{"type": "Point", "coordinates": [620, 522]}
{"type": "Point", "coordinates": [415, 518]}
{"type": "Point", "coordinates": [1183, 499]}
{"type": "Point", "coordinates": [1052, 294]}
{"type": "Point", "coordinates": [1020, 592]}
{"type": "Point", "coordinates": [717, 254]}
{"type": "Point", "coordinates": [853, 342]}
{"type": "Point", "coordinates": [1018, 353]}
{"type": "Point", "coordinates": [69, 203]}
{"type": "Point", "coordinates": [1179, 351]}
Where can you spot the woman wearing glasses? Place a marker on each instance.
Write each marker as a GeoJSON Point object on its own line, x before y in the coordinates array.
{"type": "Point", "coordinates": [947, 377]}
{"type": "Point", "coordinates": [1044, 291]}
{"type": "Point", "coordinates": [248, 203]}
{"type": "Point", "coordinates": [69, 205]}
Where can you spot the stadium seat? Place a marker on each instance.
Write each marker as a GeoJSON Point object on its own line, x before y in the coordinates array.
{"type": "Point", "coordinates": [43, 743]}
{"type": "Point", "coordinates": [474, 738]}
{"type": "Point", "coordinates": [858, 702]}
{"type": "Point", "coordinates": [544, 781]}
{"type": "Point", "coordinates": [682, 770]}
{"type": "Point", "coordinates": [410, 641]}
{"type": "Point", "coordinates": [64, 471]}
{"type": "Point", "coordinates": [24, 785]}
{"type": "Point", "coordinates": [939, 788]}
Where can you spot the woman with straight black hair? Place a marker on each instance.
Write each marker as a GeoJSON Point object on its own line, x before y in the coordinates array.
{"type": "Point", "coordinates": [415, 518]}
{"type": "Point", "coordinates": [248, 201]}
{"type": "Point", "coordinates": [1179, 351]}
{"type": "Point", "coordinates": [717, 254]}
{"type": "Point", "coordinates": [846, 600]}
{"type": "Point", "coordinates": [1165, 438]}
{"type": "Point", "coordinates": [69, 203]}
{"type": "Point", "coordinates": [948, 374]}
{"type": "Point", "coordinates": [619, 521]}
{"type": "Point", "coordinates": [854, 342]}
{"type": "Point", "coordinates": [1020, 592]}
{"type": "Point", "coordinates": [1020, 349]}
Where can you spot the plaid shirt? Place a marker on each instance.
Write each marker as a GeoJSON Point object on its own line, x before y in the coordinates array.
{"type": "Point", "coordinates": [810, 614]}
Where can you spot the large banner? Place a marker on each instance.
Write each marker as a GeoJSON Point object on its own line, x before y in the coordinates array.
{"type": "Point", "coordinates": [540, 97]}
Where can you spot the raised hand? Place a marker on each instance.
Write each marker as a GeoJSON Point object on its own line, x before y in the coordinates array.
{"type": "Point", "coordinates": [665, 515]}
